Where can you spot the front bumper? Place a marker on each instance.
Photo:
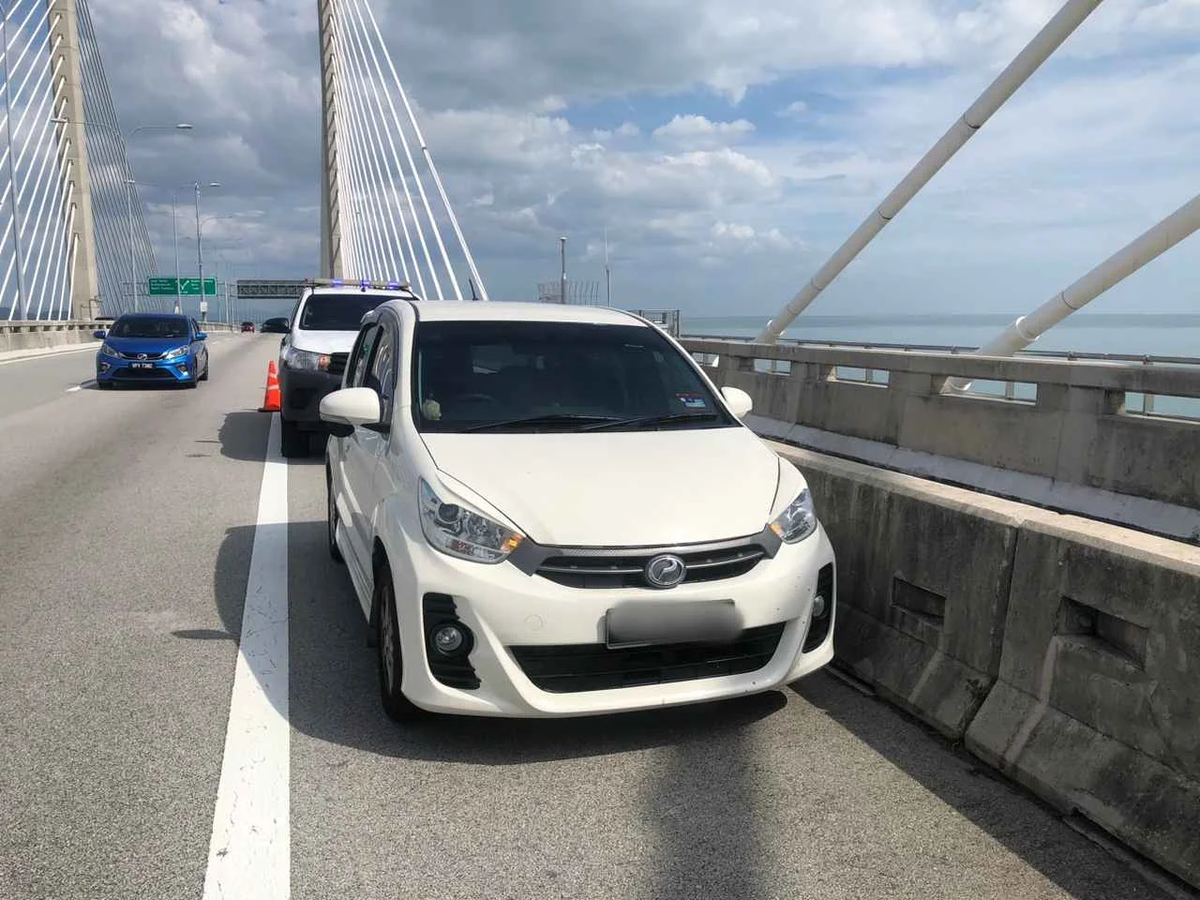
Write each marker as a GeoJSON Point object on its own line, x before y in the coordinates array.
{"type": "Point", "coordinates": [300, 392]}
{"type": "Point", "coordinates": [179, 370]}
{"type": "Point", "coordinates": [527, 633]}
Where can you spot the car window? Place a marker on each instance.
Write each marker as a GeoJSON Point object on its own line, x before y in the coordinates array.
{"type": "Point", "coordinates": [471, 374]}
{"type": "Point", "coordinates": [357, 367]}
{"type": "Point", "coordinates": [151, 327]}
{"type": "Point", "coordinates": [382, 376]}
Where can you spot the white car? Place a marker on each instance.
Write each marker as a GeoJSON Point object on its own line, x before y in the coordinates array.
{"type": "Point", "coordinates": [313, 351]}
{"type": "Point", "coordinates": [551, 511]}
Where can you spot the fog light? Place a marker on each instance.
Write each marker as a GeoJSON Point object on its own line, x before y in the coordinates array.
{"type": "Point", "coordinates": [448, 639]}
{"type": "Point", "coordinates": [818, 606]}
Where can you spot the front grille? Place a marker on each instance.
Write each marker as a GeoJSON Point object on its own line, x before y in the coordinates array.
{"type": "Point", "coordinates": [144, 374]}
{"type": "Point", "coordinates": [125, 355]}
{"type": "Point", "coordinates": [600, 571]}
{"type": "Point", "coordinates": [571, 668]}
{"type": "Point", "coordinates": [337, 363]}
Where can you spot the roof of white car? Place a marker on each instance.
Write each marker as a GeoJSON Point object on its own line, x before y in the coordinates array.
{"type": "Point", "coordinates": [470, 311]}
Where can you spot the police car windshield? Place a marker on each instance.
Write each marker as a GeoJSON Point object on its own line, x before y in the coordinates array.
{"type": "Point", "coordinates": [339, 311]}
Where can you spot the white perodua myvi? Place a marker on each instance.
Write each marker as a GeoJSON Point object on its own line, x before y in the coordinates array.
{"type": "Point", "coordinates": [551, 511]}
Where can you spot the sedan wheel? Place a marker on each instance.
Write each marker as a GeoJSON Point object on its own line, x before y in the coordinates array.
{"type": "Point", "coordinates": [331, 519]}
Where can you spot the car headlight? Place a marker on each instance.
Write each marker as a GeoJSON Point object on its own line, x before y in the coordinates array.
{"type": "Point", "coordinates": [106, 350]}
{"type": "Point", "coordinates": [459, 532]}
{"type": "Point", "coordinates": [306, 360]}
{"type": "Point", "coordinates": [798, 521]}
{"type": "Point", "coordinates": [176, 353]}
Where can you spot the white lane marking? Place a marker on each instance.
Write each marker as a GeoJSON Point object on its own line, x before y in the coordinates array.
{"type": "Point", "coordinates": [249, 854]}
{"type": "Point", "coordinates": [81, 385]}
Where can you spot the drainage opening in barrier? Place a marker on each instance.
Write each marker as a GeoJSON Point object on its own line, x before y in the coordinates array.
{"type": "Point", "coordinates": [1103, 631]}
{"type": "Point", "coordinates": [917, 611]}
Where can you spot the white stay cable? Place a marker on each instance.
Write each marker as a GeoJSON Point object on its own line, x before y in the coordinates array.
{"type": "Point", "coordinates": [411, 162]}
{"type": "Point", "coordinates": [433, 171]}
{"type": "Point", "coordinates": [380, 162]}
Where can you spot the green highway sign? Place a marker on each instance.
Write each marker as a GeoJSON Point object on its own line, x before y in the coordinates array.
{"type": "Point", "coordinates": [188, 287]}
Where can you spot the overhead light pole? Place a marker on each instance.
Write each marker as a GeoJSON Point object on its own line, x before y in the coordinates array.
{"type": "Point", "coordinates": [562, 287]}
{"type": "Point", "coordinates": [200, 250]}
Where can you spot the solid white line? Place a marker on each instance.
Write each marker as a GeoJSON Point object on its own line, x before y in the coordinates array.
{"type": "Point", "coordinates": [249, 855]}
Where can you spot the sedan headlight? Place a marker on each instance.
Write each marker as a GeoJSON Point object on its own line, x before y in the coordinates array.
{"type": "Point", "coordinates": [798, 521]}
{"type": "Point", "coordinates": [467, 535]}
{"type": "Point", "coordinates": [106, 350]}
{"type": "Point", "coordinates": [177, 352]}
{"type": "Point", "coordinates": [306, 360]}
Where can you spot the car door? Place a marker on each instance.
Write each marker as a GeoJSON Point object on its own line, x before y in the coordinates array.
{"type": "Point", "coordinates": [371, 444]}
{"type": "Point", "coordinates": [348, 460]}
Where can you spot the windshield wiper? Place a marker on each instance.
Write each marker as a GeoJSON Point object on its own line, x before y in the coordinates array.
{"type": "Point", "coordinates": [548, 419]}
{"type": "Point", "coordinates": [655, 420]}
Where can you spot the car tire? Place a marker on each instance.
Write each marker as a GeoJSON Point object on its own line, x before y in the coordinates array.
{"type": "Point", "coordinates": [398, 707]}
{"type": "Point", "coordinates": [331, 522]}
{"type": "Point", "coordinates": [292, 441]}
{"type": "Point", "coordinates": [204, 377]}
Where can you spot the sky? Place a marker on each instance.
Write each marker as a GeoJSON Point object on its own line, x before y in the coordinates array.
{"type": "Point", "coordinates": [727, 146]}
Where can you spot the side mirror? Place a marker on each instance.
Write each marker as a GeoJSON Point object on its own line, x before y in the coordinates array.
{"type": "Point", "coordinates": [739, 401]}
{"type": "Point", "coordinates": [201, 335]}
{"type": "Point", "coordinates": [346, 408]}
{"type": "Point", "coordinates": [100, 335]}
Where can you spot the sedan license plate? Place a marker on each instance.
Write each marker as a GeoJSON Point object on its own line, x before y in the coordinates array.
{"type": "Point", "coordinates": [141, 365]}
{"type": "Point", "coordinates": [647, 623]}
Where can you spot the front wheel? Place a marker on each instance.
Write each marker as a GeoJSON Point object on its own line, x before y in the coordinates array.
{"type": "Point", "coordinates": [331, 519]}
{"type": "Point", "coordinates": [204, 377]}
{"type": "Point", "coordinates": [292, 441]}
{"type": "Point", "coordinates": [398, 707]}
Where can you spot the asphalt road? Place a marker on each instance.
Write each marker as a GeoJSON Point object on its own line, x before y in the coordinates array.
{"type": "Point", "coordinates": [127, 521]}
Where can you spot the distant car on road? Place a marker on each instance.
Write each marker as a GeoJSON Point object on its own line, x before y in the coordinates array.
{"type": "Point", "coordinates": [277, 325]}
{"type": "Point", "coordinates": [149, 348]}
{"type": "Point", "coordinates": [312, 357]}
{"type": "Point", "coordinates": [552, 511]}
{"type": "Point", "coordinates": [247, 326]}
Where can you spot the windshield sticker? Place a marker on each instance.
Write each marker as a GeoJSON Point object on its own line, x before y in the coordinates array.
{"type": "Point", "coordinates": [692, 401]}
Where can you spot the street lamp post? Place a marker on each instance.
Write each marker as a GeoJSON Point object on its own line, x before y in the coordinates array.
{"type": "Point", "coordinates": [562, 288]}
{"type": "Point", "coordinates": [200, 250]}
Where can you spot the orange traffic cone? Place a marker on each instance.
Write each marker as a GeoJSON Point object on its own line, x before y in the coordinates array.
{"type": "Point", "coordinates": [271, 398]}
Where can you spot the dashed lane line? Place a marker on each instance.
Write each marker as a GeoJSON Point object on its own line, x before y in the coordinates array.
{"type": "Point", "coordinates": [249, 854]}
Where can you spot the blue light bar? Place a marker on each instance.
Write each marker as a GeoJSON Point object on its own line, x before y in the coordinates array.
{"type": "Point", "coordinates": [393, 285]}
{"type": "Point", "coordinates": [364, 284]}
{"type": "Point", "coordinates": [337, 282]}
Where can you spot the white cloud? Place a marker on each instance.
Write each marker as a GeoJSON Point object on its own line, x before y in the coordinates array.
{"type": "Point", "coordinates": [698, 131]}
{"type": "Point", "coordinates": [794, 110]}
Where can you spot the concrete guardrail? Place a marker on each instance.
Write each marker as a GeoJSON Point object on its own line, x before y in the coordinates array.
{"type": "Point", "coordinates": [1063, 651]}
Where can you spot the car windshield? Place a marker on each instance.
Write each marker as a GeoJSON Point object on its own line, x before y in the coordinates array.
{"type": "Point", "coordinates": [562, 376]}
{"type": "Point", "coordinates": [338, 311]}
{"type": "Point", "coordinates": [151, 327]}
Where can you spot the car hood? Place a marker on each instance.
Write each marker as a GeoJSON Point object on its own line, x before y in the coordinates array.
{"type": "Point", "coordinates": [145, 345]}
{"type": "Point", "coordinates": [324, 341]}
{"type": "Point", "coordinates": [618, 489]}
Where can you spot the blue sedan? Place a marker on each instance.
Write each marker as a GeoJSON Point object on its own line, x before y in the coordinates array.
{"type": "Point", "coordinates": [152, 348]}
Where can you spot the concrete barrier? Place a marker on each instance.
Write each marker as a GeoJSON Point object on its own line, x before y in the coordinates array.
{"type": "Point", "coordinates": [46, 335]}
{"type": "Point", "coordinates": [1097, 703]}
{"type": "Point", "coordinates": [923, 583]}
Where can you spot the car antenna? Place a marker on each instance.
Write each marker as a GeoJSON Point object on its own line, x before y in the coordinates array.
{"type": "Point", "coordinates": [474, 296]}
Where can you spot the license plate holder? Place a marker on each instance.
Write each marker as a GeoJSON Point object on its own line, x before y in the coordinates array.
{"type": "Point", "coordinates": [649, 623]}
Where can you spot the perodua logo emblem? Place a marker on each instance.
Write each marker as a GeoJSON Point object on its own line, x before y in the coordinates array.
{"type": "Point", "coordinates": [665, 571]}
{"type": "Point", "coordinates": [141, 356]}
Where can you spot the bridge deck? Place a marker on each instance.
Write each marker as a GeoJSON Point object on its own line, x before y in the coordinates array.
{"type": "Point", "coordinates": [125, 539]}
